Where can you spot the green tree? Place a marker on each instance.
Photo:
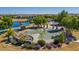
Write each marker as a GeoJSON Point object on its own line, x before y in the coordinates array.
{"type": "Point", "coordinates": [67, 21]}
{"type": "Point", "coordinates": [44, 21]}
{"type": "Point", "coordinates": [8, 22]}
{"type": "Point", "coordinates": [71, 22]}
{"type": "Point", "coordinates": [61, 16]}
{"type": "Point", "coordinates": [75, 23]}
{"type": "Point", "coordinates": [2, 25]}
{"type": "Point", "coordinates": [39, 20]}
{"type": "Point", "coordinates": [62, 38]}
{"type": "Point", "coordinates": [54, 17]}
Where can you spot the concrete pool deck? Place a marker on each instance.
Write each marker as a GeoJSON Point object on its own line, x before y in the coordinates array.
{"type": "Point", "coordinates": [47, 36]}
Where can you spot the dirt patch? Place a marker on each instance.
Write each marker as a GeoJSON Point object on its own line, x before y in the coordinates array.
{"type": "Point", "coordinates": [76, 34]}
{"type": "Point", "coordinates": [8, 47]}
{"type": "Point", "coordinates": [71, 47]}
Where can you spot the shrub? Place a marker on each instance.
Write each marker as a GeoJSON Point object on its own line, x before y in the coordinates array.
{"type": "Point", "coordinates": [37, 47]}
{"type": "Point", "coordinates": [27, 45]}
{"type": "Point", "coordinates": [55, 46]}
{"type": "Point", "coordinates": [56, 41]}
{"type": "Point", "coordinates": [59, 45]}
{"type": "Point", "coordinates": [62, 38]}
{"type": "Point", "coordinates": [41, 42]}
{"type": "Point", "coordinates": [67, 41]}
{"type": "Point", "coordinates": [49, 46]}
{"type": "Point", "coordinates": [68, 33]}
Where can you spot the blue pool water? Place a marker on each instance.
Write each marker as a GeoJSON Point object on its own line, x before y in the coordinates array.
{"type": "Point", "coordinates": [17, 24]}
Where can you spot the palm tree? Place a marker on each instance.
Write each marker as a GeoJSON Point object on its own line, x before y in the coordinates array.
{"type": "Point", "coordinates": [9, 34]}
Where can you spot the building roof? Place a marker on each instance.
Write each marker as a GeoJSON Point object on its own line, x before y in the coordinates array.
{"type": "Point", "coordinates": [53, 23]}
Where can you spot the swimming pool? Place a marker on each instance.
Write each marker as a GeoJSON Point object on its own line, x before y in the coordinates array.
{"type": "Point", "coordinates": [17, 24]}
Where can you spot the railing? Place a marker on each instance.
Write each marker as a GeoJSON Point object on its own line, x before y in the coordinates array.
{"type": "Point", "coordinates": [4, 30]}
